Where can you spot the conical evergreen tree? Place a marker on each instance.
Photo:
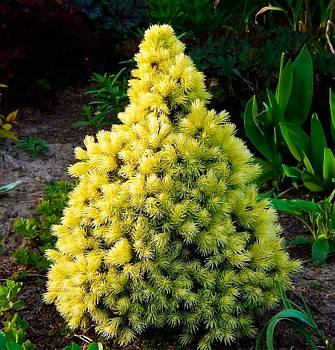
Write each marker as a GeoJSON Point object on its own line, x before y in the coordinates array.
{"type": "Point", "coordinates": [164, 226]}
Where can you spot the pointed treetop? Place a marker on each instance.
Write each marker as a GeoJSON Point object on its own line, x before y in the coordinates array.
{"type": "Point", "coordinates": [165, 80]}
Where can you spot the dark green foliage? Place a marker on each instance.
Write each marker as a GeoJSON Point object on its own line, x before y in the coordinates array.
{"type": "Point", "coordinates": [277, 131]}
{"type": "Point", "coordinates": [198, 16]}
{"type": "Point", "coordinates": [33, 146]}
{"type": "Point", "coordinates": [289, 104]}
{"type": "Point", "coordinates": [116, 15]}
{"type": "Point", "coordinates": [239, 64]}
{"type": "Point", "coordinates": [312, 152]}
{"type": "Point", "coordinates": [249, 52]}
{"type": "Point", "coordinates": [37, 229]}
{"type": "Point", "coordinates": [110, 91]}
{"type": "Point", "coordinates": [110, 94]}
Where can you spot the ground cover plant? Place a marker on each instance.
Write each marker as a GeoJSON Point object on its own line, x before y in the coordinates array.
{"type": "Point", "coordinates": [37, 229]}
{"type": "Point", "coordinates": [32, 145]}
{"type": "Point", "coordinates": [164, 227]}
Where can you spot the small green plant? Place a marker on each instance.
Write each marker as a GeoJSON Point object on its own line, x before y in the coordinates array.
{"type": "Point", "coordinates": [10, 187]}
{"type": "Point", "coordinates": [320, 222]}
{"type": "Point", "coordinates": [110, 94]}
{"type": "Point", "coordinates": [297, 317]}
{"type": "Point", "coordinates": [14, 327]}
{"type": "Point", "coordinates": [33, 146]}
{"type": "Point", "coordinates": [37, 229]}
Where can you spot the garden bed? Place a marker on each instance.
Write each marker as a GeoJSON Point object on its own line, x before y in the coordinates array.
{"type": "Point", "coordinates": [46, 327]}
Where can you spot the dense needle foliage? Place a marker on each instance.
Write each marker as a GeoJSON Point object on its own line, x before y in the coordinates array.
{"type": "Point", "coordinates": [164, 226]}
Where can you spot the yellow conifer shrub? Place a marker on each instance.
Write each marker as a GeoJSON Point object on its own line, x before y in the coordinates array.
{"type": "Point", "coordinates": [164, 226]}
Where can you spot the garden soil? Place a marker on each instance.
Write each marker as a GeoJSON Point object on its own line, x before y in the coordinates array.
{"type": "Point", "coordinates": [46, 327]}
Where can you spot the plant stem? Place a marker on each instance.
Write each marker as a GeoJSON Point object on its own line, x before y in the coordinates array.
{"type": "Point", "coordinates": [287, 190]}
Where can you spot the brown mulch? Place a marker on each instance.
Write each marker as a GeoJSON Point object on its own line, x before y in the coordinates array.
{"type": "Point", "coordinates": [47, 328]}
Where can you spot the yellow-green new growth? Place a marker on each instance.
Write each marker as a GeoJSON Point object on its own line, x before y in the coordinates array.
{"type": "Point", "coordinates": [164, 227]}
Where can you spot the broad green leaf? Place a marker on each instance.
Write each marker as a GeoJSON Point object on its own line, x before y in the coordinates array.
{"type": "Point", "coordinates": [275, 110]}
{"type": "Point", "coordinates": [13, 346]}
{"type": "Point", "coordinates": [2, 336]}
{"type": "Point", "coordinates": [320, 250]}
{"type": "Point", "coordinates": [277, 159]}
{"type": "Point", "coordinates": [294, 206]}
{"type": "Point", "coordinates": [263, 120]}
{"type": "Point", "coordinates": [284, 87]}
{"type": "Point", "coordinates": [300, 100]}
{"type": "Point", "coordinates": [312, 182]}
{"type": "Point", "coordinates": [296, 139]}
{"type": "Point", "coordinates": [261, 142]}
{"type": "Point", "coordinates": [301, 240]}
{"type": "Point", "coordinates": [292, 172]}
{"type": "Point", "coordinates": [332, 113]}
{"type": "Point", "coordinates": [318, 144]}
{"type": "Point", "coordinates": [95, 346]}
{"type": "Point", "coordinates": [328, 165]}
